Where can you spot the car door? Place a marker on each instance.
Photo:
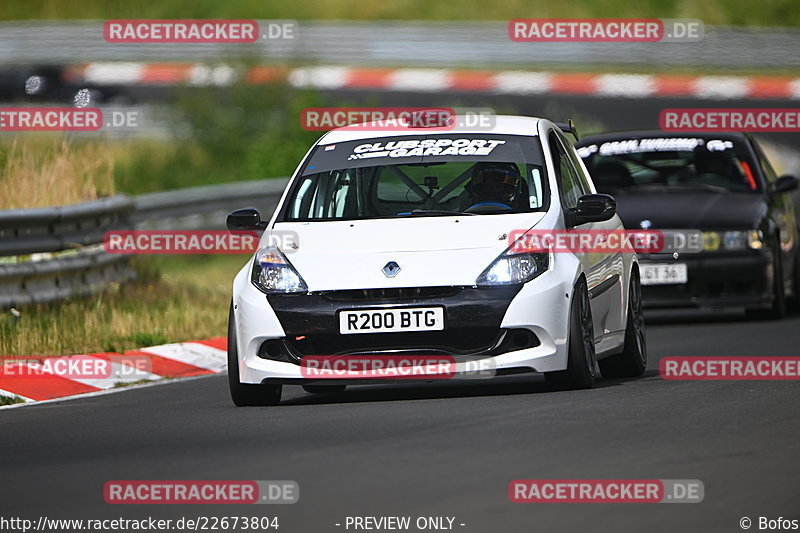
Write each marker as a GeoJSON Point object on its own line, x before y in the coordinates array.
{"type": "Point", "coordinates": [781, 211]}
{"type": "Point", "coordinates": [597, 266]}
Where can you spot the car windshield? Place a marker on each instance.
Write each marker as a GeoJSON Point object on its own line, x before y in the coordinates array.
{"type": "Point", "coordinates": [418, 176]}
{"type": "Point", "coordinates": [670, 163]}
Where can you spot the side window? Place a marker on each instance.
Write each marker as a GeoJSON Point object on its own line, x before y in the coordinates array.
{"type": "Point", "coordinates": [573, 156]}
{"type": "Point", "coordinates": [566, 175]}
{"type": "Point", "coordinates": [769, 172]}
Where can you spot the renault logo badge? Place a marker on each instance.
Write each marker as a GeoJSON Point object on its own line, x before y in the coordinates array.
{"type": "Point", "coordinates": [391, 269]}
{"type": "Point", "coordinates": [645, 224]}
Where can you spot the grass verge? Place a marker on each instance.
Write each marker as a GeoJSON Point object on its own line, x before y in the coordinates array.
{"type": "Point", "coordinates": [10, 400]}
{"type": "Point", "coordinates": [176, 298]}
{"type": "Point", "coordinates": [245, 133]}
{"type": "Point", "coordinates": [49, 170]}
{"type": "Point", "coordinates": [726, 12]}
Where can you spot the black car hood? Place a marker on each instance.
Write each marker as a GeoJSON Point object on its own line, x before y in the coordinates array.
{"type": "Point", "coordinates": [691, 210]}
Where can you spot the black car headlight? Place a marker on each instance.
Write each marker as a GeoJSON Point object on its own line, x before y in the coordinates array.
{"type": "Point", "coordinates": [732, 240]}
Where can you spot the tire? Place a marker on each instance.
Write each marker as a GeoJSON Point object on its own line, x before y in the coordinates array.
{"type": "Point", "coordinates": [632, 362]}
{"type": "Point", "coordinates": [246, 394]}
{"type": "Point", "coordinates": [778, 308]}
{"type": "Point", "coordinates": [580, 372]}
{"type": "Point", "coordinates": [324, 389]}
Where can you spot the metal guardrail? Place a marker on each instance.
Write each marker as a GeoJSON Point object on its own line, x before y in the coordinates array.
{"type": "Point", "coordinates": [403, 43]}
{"type": "Point", "coordinates": [205, 207]}
{"type": "Point", "coordinates": [53, 229]}
{"type": "Point", "coordinates": [55, 253]}
{"type": "Point", "coordinates": [65, 255]}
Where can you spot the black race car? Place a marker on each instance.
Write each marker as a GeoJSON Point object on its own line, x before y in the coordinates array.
{"type": "Point", "coordinates": [721, 184]}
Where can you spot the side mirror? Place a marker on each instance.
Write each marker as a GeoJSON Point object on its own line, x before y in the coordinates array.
{"type": "Point", "coordinates": [591, 208]}
{"type": "Point", "coordinates": [785, 184]}
{"type": "Point", "coordinates": [245, 219]}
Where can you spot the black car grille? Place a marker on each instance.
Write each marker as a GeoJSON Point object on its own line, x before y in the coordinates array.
{"type": "Point", "coordinates": [403, 293]}
{"type": "Point", "coordinates": [459, 341]}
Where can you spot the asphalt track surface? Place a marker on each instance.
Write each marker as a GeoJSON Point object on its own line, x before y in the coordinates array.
{"type": "Point", "coordinates": [436, 450]}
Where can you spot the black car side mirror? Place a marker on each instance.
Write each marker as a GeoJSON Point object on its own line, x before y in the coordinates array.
{"type": "Point", "coordinates": [591, 208]}
{"type": "Point", "coordinates": [245, 219]}
{"type": "Point", "coordinates": [785, 184]}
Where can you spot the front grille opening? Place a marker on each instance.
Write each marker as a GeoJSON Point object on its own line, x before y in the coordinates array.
{"type": "Point", "coordinates": [275, 350]}
{"type": "Point", "coordinates": [522, 338]}
{"type": "Point", "coordinates": [456, 341]}
{"type": "Point", "coordinates": [395, 293]}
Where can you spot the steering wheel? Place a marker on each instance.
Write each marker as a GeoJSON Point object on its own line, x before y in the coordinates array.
{"type": "Point", "coordinates": [484, 207]}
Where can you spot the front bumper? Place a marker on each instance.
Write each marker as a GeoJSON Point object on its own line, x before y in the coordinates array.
{"type": "Point", "coordinates": [512, 329]}
{"type": "Point", "coordinates": [715, 280]}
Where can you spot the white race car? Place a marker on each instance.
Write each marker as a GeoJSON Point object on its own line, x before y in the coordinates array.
{"type": "Point", "coordinates": [401, 246]}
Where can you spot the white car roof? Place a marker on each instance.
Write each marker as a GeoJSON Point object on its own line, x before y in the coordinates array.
{"type": "Point", "coordinates": [500, 125]}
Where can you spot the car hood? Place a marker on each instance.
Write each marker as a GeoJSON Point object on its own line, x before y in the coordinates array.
{"type": "Point", "coordinates": [431, 251]}
{"type": "Point", "coordinates": [681, 210]}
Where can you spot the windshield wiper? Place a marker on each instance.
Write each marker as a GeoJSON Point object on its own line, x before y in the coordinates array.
{"type": "Point", "coordinates": [440, 212]}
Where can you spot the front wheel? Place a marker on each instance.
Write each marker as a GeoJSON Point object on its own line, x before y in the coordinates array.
{"type": "Point", "coordinates": [246, 394]}
{"type": "Point", "coordinates": [632, 362]}
{"type": "Point", "coordinates": [580, 372]}
{"type": "Point", "coordinates": [778, 308]}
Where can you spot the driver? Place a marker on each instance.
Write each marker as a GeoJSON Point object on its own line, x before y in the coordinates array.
{"type": "Point", "coordinates": [714, 163]}
{"type": "Point", "coordinates": [496, 183]}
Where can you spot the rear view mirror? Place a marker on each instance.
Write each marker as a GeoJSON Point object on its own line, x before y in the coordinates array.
{"type": "Point", "coordinates": [245, 219]}
{"type": "Point", "coordinates": [591, 208]}
{"type": "Point", "coordinates": [785, 184]}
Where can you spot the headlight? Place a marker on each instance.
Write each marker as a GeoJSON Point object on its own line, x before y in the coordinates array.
{"type": "Point", "coordinates": [732, 240]}
{"type": "Point", "coordinates": [755, 239]}
{"type": "Point", "coordinates": [273, 273]}
{"type": "Point", "coordinates": [509, 269]}
{"type": "Point", "coordinates": [711, 241]}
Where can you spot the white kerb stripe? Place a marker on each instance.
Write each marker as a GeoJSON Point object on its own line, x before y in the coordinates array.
{"type": "Point", "coordinates": [414, 79]}
{"type": "Point", "coordinates": [319, 77]}
{"type": "Point", "coordinates": [721, 87]}
{"type": "Point", "coordinates": [114, 73]}
{"type": "Point", "coordinates": [624, 85]}
{"type": "Point", "coordinates": [204, 75]}
{"type": "Point", "coordinates": [192, 353]}
{"type": "Point", "coordinates": [518, 82]}
{"type": "Point", "coordinates": [794, 88]}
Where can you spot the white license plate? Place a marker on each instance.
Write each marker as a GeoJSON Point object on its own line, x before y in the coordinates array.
{"type": "Point", "coordinates": [664, 274]}
{"type": "Point", "coordinates": [391, 320]}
